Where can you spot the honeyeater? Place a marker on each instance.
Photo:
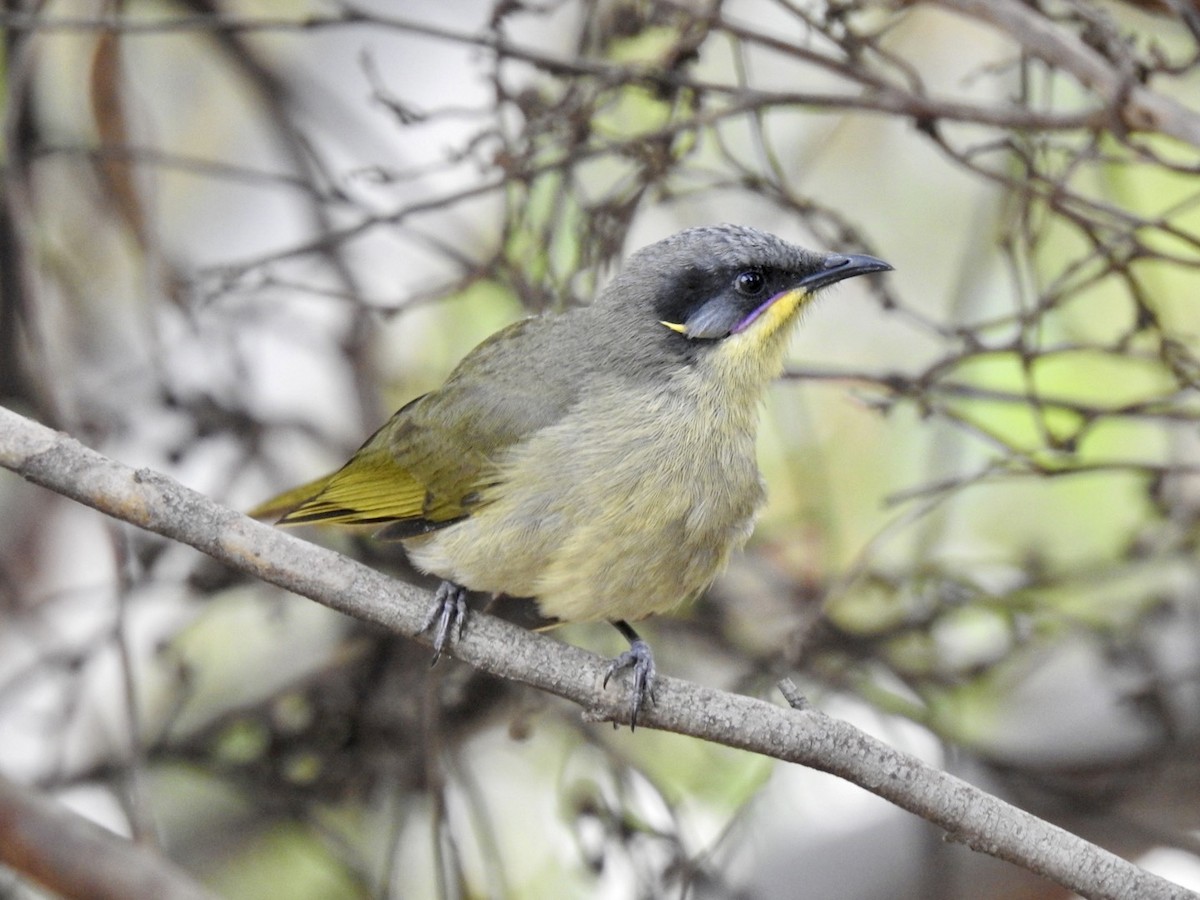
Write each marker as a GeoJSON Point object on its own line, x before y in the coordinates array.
{"type": "Point", "coordinates": [600, 461]}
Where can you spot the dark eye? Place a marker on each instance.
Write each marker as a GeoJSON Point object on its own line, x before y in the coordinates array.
{"type": "Point", "coordinates": [750, 284]}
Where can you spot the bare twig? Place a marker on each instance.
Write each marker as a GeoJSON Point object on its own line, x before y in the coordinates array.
{"type": "Point", "coordinates": [76, 858]}
{"type": "Point", "coordinates": [1139, 108]}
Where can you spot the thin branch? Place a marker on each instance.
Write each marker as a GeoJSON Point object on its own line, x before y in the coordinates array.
{"type": "Point", "coordinates": [1139, 108]}
{"type": "Point", "coordinates": [156, 503]}
{"type": "Point", "coordinates": [73, 857]}
{"type": "Point", "coordinates": [876, 97]}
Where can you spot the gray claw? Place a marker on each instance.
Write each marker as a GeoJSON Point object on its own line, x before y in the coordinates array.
{"type": "Point", "coordinates": [639, 658]}
{"type": "Point", "coordinates": [449, 612]}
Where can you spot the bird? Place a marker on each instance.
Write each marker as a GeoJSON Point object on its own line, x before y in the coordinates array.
{"type": "Point", "coordinates": [602, 460]}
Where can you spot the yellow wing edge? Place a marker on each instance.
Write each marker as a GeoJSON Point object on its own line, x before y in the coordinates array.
{"type": "Point", "coordinates": [370, 489]}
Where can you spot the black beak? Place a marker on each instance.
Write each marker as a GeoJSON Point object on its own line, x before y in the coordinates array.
{"type": "Point", "coordinates": [840, 266]}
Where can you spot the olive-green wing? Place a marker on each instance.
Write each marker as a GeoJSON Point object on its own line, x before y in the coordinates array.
{"type": "Point", "coordinates": [370, 487]}
{"type": "Point", "coordinates": [429, 464]}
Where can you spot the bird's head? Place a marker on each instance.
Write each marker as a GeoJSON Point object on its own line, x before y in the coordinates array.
{"type": "Point", "coordinates": [722, 296]}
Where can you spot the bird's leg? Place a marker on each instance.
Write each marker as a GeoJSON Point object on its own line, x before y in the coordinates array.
{"type": "Point", "coordinates": [639, 658]}
{"type": "Point", "coordinates": [449, 612]}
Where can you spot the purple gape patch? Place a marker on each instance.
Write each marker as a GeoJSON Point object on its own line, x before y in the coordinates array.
{"type": "Point", "coordinates": [745, 323]}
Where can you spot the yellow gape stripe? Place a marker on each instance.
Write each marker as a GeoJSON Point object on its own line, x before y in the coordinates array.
{"type": "Point", "coordinates": [755, 355]}
{"type": "Point", "coordinates": [778, 314]}
{"type": "Point", "coordinates": [682, 329]}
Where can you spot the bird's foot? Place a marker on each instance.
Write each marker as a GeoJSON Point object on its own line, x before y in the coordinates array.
{"type": "Point", "coordinates": [449, 614]}
{"type": "Point", "coordinates": [639, 658]}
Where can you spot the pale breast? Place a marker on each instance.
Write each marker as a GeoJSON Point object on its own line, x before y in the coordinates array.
{"type": "Point", "coordinates": [611, 514]}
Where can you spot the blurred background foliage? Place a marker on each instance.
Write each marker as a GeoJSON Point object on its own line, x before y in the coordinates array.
{"type": "Point", "coordinates": [236, 235]}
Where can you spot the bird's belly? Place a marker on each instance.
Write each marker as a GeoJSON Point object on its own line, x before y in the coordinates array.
{"type": "Point", "coordinates": [613, 536]}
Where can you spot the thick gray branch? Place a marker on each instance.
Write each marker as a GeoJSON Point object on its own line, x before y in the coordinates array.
{"type": "Point", "coordinates": [156, 503]}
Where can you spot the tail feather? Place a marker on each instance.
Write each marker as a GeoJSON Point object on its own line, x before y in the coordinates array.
{"type": "Point", "coordinates": [279, 506]}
